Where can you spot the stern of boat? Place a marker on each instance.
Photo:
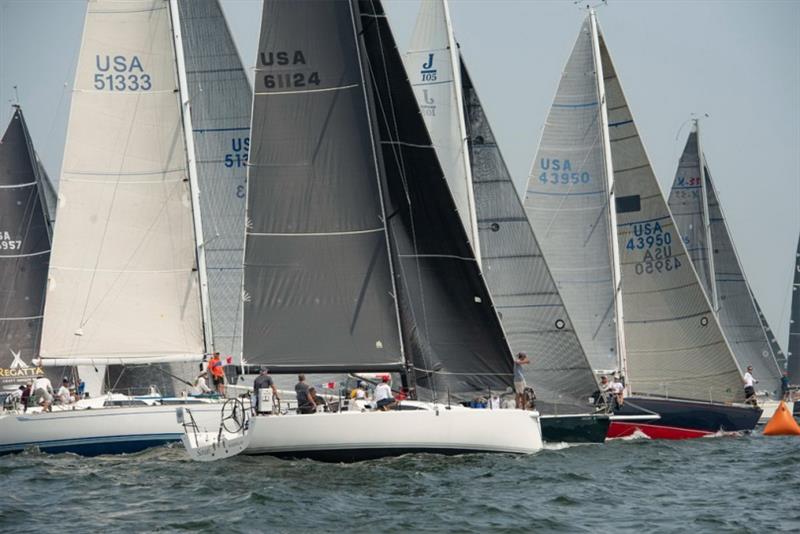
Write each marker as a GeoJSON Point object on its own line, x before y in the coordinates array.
{"type": "Point", "coordinates": [208, 444]}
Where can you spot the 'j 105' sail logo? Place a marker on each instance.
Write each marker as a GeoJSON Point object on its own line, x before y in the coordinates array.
{"type": "Point", "coordinates": [428, 105]}
{"type": "Point", "coordinates": [428, 73]}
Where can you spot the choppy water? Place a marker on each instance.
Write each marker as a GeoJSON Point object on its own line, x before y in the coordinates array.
{"type": "Point", "coordinates": [723, 484]}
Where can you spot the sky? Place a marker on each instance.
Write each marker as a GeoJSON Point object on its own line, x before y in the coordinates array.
{"type": "Point", "coordinates": [737, 61]}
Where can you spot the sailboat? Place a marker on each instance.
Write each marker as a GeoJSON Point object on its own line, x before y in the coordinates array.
{"type": "Point", "coordinates": [127, 280]}
{"type": "Point", "coordinates": [793, 354]}
{"type": "Point", "coordinates": [622, 270]}
{"type": "Point", "coordinates": [531, 310]}
{"type": "Point", "coordinates": [698, 214]}
{"type": "Point", "coordinates": [24, 254]}
{"type": "Point", "coordinates": [355, 257]}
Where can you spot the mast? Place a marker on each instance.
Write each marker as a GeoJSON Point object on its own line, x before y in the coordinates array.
{"type": "Point", "coordinates": [358, 36]}
{"type": "Point", "coordinates": [194, 192]}
{"type": "Point", "coordinates": [707, 220]}
{"type": "Point", "coordinates": [616, 270]}
{"type": "Point", "coordinates": [455, 64]}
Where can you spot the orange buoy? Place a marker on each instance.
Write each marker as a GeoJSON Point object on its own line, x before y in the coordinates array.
{"type": "Point", "coordinates": [782, 423]}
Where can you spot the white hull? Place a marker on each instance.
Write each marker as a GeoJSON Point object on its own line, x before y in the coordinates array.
{"type": "Point", "coordinates": [350, 436]}
{"type": "Point", "coordinates": [101, 430]}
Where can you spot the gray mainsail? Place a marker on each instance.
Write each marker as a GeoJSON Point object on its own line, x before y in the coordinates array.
{"type": "Point", "coordinates": [670, 342]}
{"type": "Point", "coordinates": [533, 315]}
{"type": "Point", "coordinates": [793, 354]}
{"type": "Point", "coordinates": [24, 254]}
{"type": "Point", "coordinates": [221, 101]}
{"type": "Point", "coordinates": [780, 355]}
{"type": "Point", "coordinates": [318, 287]}
{"type": "Point", "coordinates": [452, 333]}
{"type": "Point", "coordinates": [700, 220]}
{"type": "Point", "coordinates": [567, 206]}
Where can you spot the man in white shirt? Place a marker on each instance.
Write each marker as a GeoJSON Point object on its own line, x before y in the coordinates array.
{"type": "Point", "coordinates": [749, 389]}
{"type": "Point", "coordinates": [383, 395]}
{"type": "Point", "coordinates": [43, 392]}
{"type": "Point", "coordinates": [63, 393]}
{"type": "Point", "coordinates": [618, 391]}
{"type": "Point", "coordinates": [200, 387]}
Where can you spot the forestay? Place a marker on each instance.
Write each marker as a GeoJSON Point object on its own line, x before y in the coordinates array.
{"type": "Point", "coordinates": [24, 254]}
{"type": "Point", "coordinates": [122, 285]}
{"type": "Point", "coordinates": [567, 206]}
{"type": "Point", "coordinates": [736, 309]}
{"type": "Point", "coordinates": [451, 331]}
{"type": "Point", "coordinates": [221, 101]}
{"type": "Point", "coordinates": [675, 346]}
{"type": "Point", "coordinates": [525, 295]}
{"type": "Point", "coordinates": [318, 287]}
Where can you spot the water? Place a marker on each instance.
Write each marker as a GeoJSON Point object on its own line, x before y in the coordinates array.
{"type": "Point", "coordinates": [722, 484]}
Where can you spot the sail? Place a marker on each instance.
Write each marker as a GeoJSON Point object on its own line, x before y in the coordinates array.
{"type": "Point", "coordinates": [793, 354]}
{"type": "Point", "coordinates": [24, 255]}
{"type": "Point", "coordinates": [122, 285]}
{"type": "Point", "coordinates": [533, 315]}
{"type": "Point", "coordinates": [675, 346]}
{"type": "Point", "coordinates": [221, 101]}
{"type": "Point", "coordinates": [429, 63]}
{"type": "Point", "coordinates": [567, 206]}
{"type": "Point", "coordinates": [780, 355]}
{"type": "Point", "coordinates": [452, 333]}
{"type": "Point", "coordinates": [689, 211]}
{"type": "Point", "coordinates": [318, 287]}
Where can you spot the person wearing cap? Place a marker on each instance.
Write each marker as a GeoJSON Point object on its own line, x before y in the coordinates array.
{"type": "Point", "coordinates": [63, 394]}
{"type": "Point", "coordinates": [749, 389]}
{"type": "Point", "coordinates": [200, 386]}
{"type": "Point", "coordinates": [43, 392]}
{"type": "Point", "coordinates": [618, 390]}
{"type": "Point", "coordinates": [217, 373]}
{"type": "Point", "coordinates": [384, 400]}
{"type": "Point", "coordinates": [519, 380]}
{"type": "Point", "coordinates": [263, 381]}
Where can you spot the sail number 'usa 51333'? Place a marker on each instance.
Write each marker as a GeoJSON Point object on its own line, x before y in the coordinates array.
{"type": "Point", "coordinates": [121, 73]}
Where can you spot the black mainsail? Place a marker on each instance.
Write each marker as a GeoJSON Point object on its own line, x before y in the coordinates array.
{"type": "Point", "coordinates": [348, 208]}
{"type": "Point", "coordinates": [793, 354]}
{"type": "Point", "coordinates": [24, 253]}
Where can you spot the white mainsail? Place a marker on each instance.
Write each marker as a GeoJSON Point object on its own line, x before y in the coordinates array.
{"type": "Point", "coordinates": [123, 285]}
{"type": "Point", "coordinates": [698, 214]}
{"type": "Point", "coordinates": [673, 343]}
{"type": "Point", "coordinates": [433, 68]}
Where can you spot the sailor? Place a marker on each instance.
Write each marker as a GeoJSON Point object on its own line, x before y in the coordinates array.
{"type": "Point", "coordinates": [360, 391]}
{"type": "Point", "coordinates": [26, 395]}
{"type": "Point", "coordinates": [383, 395]}
{"type": "Point", "coordinates": [263, 381]}
{"type": "Point", "coordinates": [749, 390]}
{"type": "Point", "coordinates": [217, 373]}
{"type": "Point", "coordinates": [618, 390]}
{"type": "Point", "coordinates": [494, 402]}
{"type": "Point", "coordinates": [785, 386]}
{"type": "Point", "coordinates": [63, 394]}
{"type": "Point", "coordinates": [519, 379]}
{"type": "Point", "coordinates": [305, 402]}
{"type": "Point", "coordinates": [43, 392]}
{"type": "Point", "coordinates": [200, 387]}
{"type": "Point", "coordinates": [318, 400]}
{"type": "Point", "coordinates": [605, 390]}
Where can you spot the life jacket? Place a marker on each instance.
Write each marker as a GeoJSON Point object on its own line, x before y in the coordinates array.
{"type": "Point", "coordinates": [215, 365]}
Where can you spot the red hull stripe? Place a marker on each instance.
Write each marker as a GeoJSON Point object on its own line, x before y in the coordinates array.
{"type": "Point", "coordinates": [620, 429]}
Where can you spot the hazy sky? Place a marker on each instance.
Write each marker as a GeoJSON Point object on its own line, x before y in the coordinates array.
{"type": "Point", "coordinates": [738, 61]}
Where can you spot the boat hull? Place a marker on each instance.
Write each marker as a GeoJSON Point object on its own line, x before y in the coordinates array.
{"type": "Point", "coordinates": [92, 432]}
{"type": "Point", "coordinates": [356, 436]}
{"type": "Point", "coordinates": [682, 419]}
{"type": "Point", "coordinates": [581, 428]}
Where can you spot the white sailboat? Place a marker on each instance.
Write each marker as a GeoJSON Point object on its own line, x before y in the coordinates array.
{"type": "Point", "coordinates": [355, 257]}
{"type": "Point", "coordinates": [127, 280]}
{"type": "Point", "coordinates": [612, 245]}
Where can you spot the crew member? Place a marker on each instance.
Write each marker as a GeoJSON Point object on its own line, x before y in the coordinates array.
{"type": "Point", "coordinates": [217, 373]}
{"type": "Point", "coordinates": [519, 379]}
{"type": "Point", "coordinates": [749, 390]}
{"type": "Point", "coordinates": [263, 381]}
{"type": "Point", "coordinates": [305, 402]}
{"type": "Point", "coordinates": [383, 395]}
{"type": "Point", "coordinates": [43, 393]}
{"type": "Point", "coordinates": [200, 387]}
{"type": "Point", "coordinates": [785, 386]}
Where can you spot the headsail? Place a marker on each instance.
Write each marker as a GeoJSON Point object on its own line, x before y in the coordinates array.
{"type": "Point", "coordinates": [24, 254]}
{"type": "Point", "coordinates": [122, 284]}
{"type": "Point", "coordinates": [451, 331]}
{"type": "Point", "coordinates": [221, 101]}
{"type": "Point", "coordinates": [694, 195]}
{"type": "Point", "coordinates": [793, 354]}
{"type": "Point", "coordinates": [567, 206]}
{"type": "Point", "coordinates": [675, 346]}
{"type": "Point", "coordinates": [318, 286]}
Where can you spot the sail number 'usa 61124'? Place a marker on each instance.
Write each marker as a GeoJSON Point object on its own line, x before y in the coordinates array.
{"type": "Point", "coordinates": [121, 73]}
{"type": "Point", "coordinates": [287, 80]}
{"type": "Point", "coordinates": [657, 246]}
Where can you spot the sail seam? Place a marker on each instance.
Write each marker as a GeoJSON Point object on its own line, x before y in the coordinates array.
{"type": "Point", "coordinates": [17, 186]}
{"type": "Point", "coordinates": [441, 256]}
{"type": "Point", "coordinates": [21, 318]}
{"type": "Point", "coordinates": [84, 269]}
{"type": "Point", "coordinates": [315, 234]}
{"type": "Point", "coordinates": [323, 90]}
{"type": "Point", "coordinates": [25, 255]}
